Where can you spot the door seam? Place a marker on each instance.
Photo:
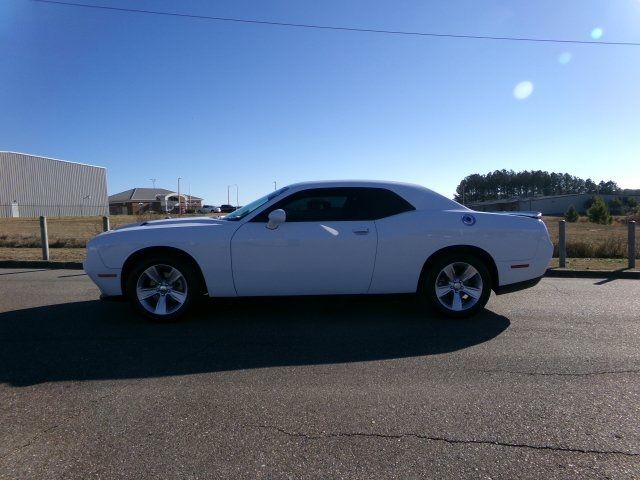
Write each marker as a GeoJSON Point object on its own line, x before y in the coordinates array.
{"type": "Point", "coordinates": [375, 258]}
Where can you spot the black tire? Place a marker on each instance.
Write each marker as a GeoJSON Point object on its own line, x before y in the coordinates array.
{"type": "Point", "coordinates": [465, 298]}
{"type": "Point", "coordinates": [185, 288]}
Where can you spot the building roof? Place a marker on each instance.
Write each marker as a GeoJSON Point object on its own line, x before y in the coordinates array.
{"type": "Point", "coordinates": [49, 158]}
{"type": "Point", "coordinates": [144, 195]}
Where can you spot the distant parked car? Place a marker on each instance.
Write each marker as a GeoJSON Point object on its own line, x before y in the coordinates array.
{"type": "Point", "coordinates": [227, 208]}
{"type": "Point", "coordinates": [209, 209]}
{"type": "Point", "coordinates": [322, 238]}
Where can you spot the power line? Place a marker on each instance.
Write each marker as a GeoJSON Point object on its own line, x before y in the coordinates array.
{"type": "Point", "coordinates": [344, 29]}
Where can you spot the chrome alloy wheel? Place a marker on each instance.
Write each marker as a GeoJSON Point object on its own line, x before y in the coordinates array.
{"type": "Point", "coordinates": [458, 286]}
{"type": "Point", "coordinates": [161, 289]}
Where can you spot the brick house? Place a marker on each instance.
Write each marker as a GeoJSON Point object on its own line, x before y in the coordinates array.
{"type": "Point", "coordinates": [143, 200]}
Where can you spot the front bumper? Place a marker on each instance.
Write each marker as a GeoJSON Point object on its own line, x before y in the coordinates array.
{"type": "Point", "coordinates": [107, 279]}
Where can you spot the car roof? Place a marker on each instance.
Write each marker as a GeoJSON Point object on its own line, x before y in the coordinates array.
{"type": "Point", "coordinates": [420, 197]}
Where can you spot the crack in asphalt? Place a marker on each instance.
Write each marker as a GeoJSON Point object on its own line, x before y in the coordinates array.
{"type": "Point", "coordinates": [557, 289]}
{"type": "Point", "coordinates": [43, 432]}
{"type": "Point", "coordinates": [561, 374]}
{"type": "Point", "coordinates": [451, 441]}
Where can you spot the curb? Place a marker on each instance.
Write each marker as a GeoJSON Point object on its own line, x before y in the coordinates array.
{"type": "Point", "coordinates": [40, 264]}
{"type": "Point", "coordinates": [563, 273]}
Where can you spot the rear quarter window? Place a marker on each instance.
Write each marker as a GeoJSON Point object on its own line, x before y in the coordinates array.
{"type": "Point", "coordinates": [377, 203]}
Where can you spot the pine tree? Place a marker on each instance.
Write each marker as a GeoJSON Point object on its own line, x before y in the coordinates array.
{"type": "Point", "coordinates": [598, 212]}
{"type": "Point", "coordinates": [571, 215]}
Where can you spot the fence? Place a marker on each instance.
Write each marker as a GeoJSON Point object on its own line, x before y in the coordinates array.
{"type": "Point", "coordinates": [44, 234]}
{"type": "Point", "coordinates": [21, 238]}
{"type": "Point", "coordinates": [614, 244]}
{"type": "Point", "coordinates": [570, 239]}
{"type": "Point", "coordinates": [20, 210]}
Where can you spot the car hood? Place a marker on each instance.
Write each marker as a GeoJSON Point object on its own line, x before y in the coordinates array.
{"type": "Point", "coordinates": [172, 222]}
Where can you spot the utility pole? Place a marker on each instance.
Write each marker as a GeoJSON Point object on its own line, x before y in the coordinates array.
{"type": "Point", "coordinates": [237, 194]}
{"type": "Point", "coordinates": [275, 185]}
{"type": "Point", "coordinates": [179, 202]}
{"type": "Point", "coordinates": [153, 181]}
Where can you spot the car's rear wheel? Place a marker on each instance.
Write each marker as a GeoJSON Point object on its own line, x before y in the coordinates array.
{"type": "Point", "coordinates": [162, 288]}
{"type": "Point", "coordinates": [458, 285]}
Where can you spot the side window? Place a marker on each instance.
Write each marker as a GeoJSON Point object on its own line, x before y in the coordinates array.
{"type": "Point", "coordinates": [339, 204]}
{"type": "Point", "coordinates": [310, 208]}
{"type": "Point", "coordinates": [313, 205]}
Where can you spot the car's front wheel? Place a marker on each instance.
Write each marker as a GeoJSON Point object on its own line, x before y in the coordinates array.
{"type": "Point", "coordinates": [458, 285]}
{"type": "Point", "coordinates": [162, 289]}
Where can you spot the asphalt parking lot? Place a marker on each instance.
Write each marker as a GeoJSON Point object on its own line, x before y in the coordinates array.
{"type": "Point", "coordinates": [544, 384]}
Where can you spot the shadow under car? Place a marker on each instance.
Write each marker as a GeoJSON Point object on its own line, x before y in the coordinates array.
{"type": "Point", "coordinates": [103, 340]}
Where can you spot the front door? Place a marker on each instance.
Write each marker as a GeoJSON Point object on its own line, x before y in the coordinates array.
{"type": "Point", "coordinates": [318, 250]}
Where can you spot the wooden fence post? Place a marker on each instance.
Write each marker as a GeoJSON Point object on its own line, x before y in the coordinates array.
{"type": "Point", "coordinates": [631, 243]}
{"type": "Point", "coordinates": [562, 244]}
{"type": "Point", "coordinates": [44, 238]}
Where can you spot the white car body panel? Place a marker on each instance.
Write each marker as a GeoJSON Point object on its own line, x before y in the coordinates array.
{"type": "Point", "coordinates": [242, 258]}
{"type": "Point", "coordinates": [304, 258]}
{"type": "Point", "coordinates": [205, 239]}
{"type": "Point", "coordinates": [407, 240]}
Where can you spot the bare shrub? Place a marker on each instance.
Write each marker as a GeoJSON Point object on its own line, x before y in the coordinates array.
{"type": "Point", "coordinates": [580, 249]}
{"type": "Point", "coordinates": [19, 241]}
{"type": "Point", "coordinates": [611, 248]}
{"type": "Point", "coordinates": [67, 243]}
{"type": "Point", "coordinates": [33, 241]}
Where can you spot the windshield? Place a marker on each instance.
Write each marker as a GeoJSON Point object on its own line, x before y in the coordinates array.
{"type": "Point", "coordinates": [247, 209]}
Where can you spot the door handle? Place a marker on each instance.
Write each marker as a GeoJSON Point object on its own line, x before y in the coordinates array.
{"type": "Point", "coordinates": [361, 231]}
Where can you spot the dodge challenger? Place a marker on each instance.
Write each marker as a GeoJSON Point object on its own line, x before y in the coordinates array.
{"type": "Point", "coordinates": [325, 238]}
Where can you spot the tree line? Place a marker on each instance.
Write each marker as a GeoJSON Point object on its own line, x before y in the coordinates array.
{"type": "Point", "coordinates": [502, 184]}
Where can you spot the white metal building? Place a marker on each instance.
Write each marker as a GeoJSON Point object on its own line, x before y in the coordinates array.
{"type": "Point", "coordinates": [31, 186]}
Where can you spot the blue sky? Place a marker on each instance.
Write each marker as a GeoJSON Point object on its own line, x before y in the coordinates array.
{"type": "Point", "coordinates": [221, 103]}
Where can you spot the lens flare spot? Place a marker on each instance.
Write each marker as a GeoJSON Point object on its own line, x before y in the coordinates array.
{"type": "Point", "coordinates": [597, 33]}
{"type": "Point", "coordinates": [523, 90]}
{"type": "Point", "coordinates": [564, 58]}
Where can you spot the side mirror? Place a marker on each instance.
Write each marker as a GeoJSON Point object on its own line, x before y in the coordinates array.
{"type": "Point", "coordinates": [276, 217]}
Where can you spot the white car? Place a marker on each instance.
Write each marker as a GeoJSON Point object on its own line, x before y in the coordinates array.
{"type": "Point", "coordinates": [325, 238]}
{"type": "Point", "coordinates": [209, 209]}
